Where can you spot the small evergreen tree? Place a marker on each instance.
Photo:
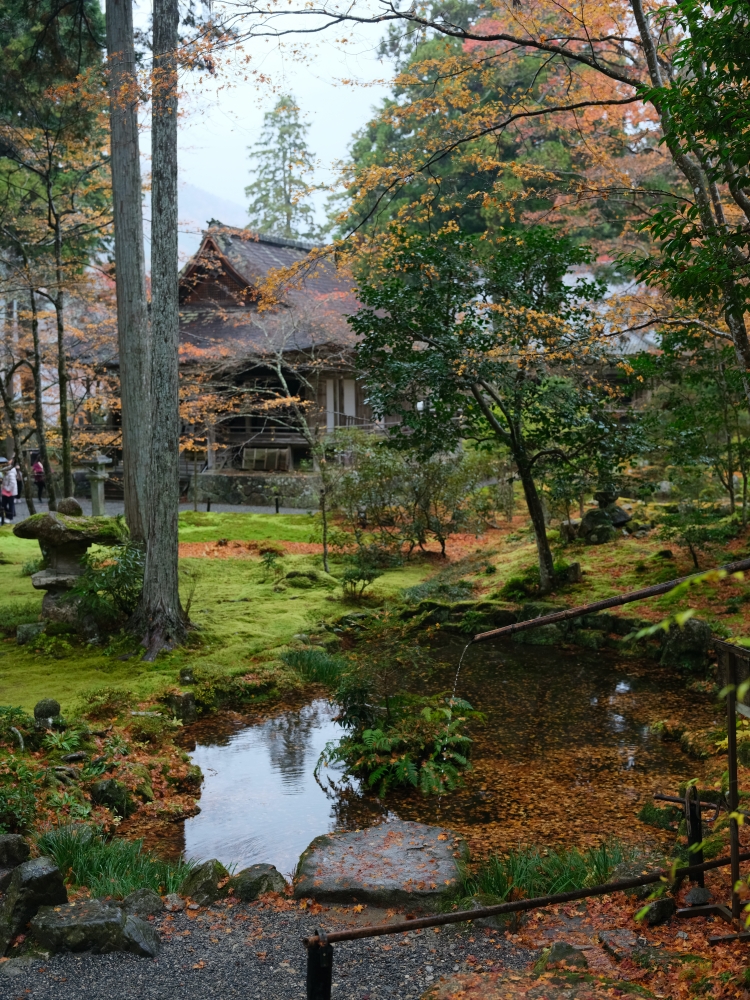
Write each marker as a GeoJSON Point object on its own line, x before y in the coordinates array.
{"type": "Point", "coordinates": [281, 160]}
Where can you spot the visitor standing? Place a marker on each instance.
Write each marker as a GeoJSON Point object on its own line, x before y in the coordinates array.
{"type": "Point", "coordinates": [9, 490]}
{"type": "Point", "coordinates": [37, 470]}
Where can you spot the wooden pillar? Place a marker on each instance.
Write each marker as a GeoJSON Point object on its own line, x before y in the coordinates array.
{"type": "Point", "coordinates": [733, 795]}
{"type": "Point", "coordinates": [694, 831]}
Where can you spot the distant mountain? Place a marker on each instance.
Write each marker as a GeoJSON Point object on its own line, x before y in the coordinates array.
{"type": "Point", "coordinates": [196, 207]}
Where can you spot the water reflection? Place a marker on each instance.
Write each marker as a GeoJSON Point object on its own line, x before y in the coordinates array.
{"type": "Point", "coordinates": [260, 801]}
{"type": "Point", "coordinates": [565, 737]}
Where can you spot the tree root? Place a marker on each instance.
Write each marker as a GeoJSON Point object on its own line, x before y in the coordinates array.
{"type": "Point", "coordinates": [161, 630]}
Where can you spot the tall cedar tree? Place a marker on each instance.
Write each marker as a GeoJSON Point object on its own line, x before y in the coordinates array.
{"type": "Point", "coordinates": [280, 163]}
{"type": "Point", "coordinates": [133, 332]}
{"type": "Point", "coordinates": [160, 616]}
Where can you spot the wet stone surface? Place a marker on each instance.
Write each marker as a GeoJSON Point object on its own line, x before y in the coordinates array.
{"type": "Point", "coordinates": [394, 864]}
{"type": "Point", "coordinates": [249, 951]}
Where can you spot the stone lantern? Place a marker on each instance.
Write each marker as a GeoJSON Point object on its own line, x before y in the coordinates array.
{"type": "Point", "coordinates": [64, 536]}
{"type": "Point", "coordinates": [98, 476]}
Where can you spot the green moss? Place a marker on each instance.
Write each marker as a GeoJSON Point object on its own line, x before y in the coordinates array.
{"type": "Point", "coordinates": [242, 619]}
{"type": "Point", "coordinates": [199, 526]}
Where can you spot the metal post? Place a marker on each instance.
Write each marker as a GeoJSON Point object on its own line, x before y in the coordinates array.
{"type": "Point", "coordinates": [694, 831]}
{"type": "Point", "coordinates": [319, 969]}
{"type": "Point", "coordinates": [733, 795]}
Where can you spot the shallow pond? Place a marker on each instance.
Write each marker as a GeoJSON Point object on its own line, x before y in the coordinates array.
{"type": "Point", "coordinates": [564, 755]}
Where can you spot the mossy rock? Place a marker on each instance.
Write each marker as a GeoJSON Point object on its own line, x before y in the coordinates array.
{"type": "Point", "coordinates": [113, 794]}
{"type": "Point", "coordinates": [588, 638]}
{"type": "Point", "coordinates": [53, 530]}
{"type": "Point", "coordinates": [206, 883]}
{"type": "Point", "coordinates": [688, 647]}
{"type": "Point", "coordinates": [545, 635]}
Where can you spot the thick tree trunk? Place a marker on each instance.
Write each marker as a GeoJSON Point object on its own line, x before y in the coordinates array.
{"type": "Point", "coordinates": [41, 436]}
{"type": "Point", "coordinates": [62, 382]}
{"type": "Point", "coordinates": [163, 620]}
{"type": "Point", "coordinates": [130, 266]}
{"type": "Point", "coordinates": [536, 513]}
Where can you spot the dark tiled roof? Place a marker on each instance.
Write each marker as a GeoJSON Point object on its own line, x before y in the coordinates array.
{"type": "Point", "coordinates": [313, 310]}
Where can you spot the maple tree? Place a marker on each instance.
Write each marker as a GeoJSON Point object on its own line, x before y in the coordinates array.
{"type": "Point", "coordinates": [485, 339]}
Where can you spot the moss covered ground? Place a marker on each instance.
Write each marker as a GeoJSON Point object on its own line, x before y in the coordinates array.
{"type": "Point", "coordinates": [244, 611]}
{"type": "Point", "coordinates": [247, 613]}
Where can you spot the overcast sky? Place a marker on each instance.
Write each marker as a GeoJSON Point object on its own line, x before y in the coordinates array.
{"type": "Point", "coordinates": [220, 121]}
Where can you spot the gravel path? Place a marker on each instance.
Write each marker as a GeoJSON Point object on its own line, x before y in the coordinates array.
{"type": "Point", "coordinates": [254, 951]}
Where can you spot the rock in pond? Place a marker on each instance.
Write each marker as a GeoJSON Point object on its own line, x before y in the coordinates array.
{"type": "Point", "coordinates": [33, 884]}
{"type": "Point", "coordinates": [394, 864]}
{"type": "Point", "coordinates": [207, 882]}
{"type": "Point", "coordinates": [93, 926]}
{"type": "Point", "coordinates": [256, 880]}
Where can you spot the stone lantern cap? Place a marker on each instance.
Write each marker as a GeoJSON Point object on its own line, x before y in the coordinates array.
{"type": "Point", "coordinates": [56, 529]}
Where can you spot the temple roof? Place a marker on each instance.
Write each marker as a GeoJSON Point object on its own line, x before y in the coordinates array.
{"type": "Point", "coordinates": [219, 296]}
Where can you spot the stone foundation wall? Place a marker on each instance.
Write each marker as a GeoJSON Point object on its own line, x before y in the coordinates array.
{"type": "Point", "coordinates": [295, 489]}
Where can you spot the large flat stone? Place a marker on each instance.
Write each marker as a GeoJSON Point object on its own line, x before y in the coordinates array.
{"type": "Point", "coordinates": [395, 864]}
{"type": "Point", "coordinates": [95, 927]}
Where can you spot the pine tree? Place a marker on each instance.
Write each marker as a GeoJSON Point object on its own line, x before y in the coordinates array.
{"type": "Point", "coordinates": [281, 160]}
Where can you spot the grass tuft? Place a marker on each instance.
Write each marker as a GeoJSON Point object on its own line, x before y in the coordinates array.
{"type": "Point", "coordinates": [109, 867]}
{"type": "Point", "coordinates": [315, 665]}
{"type": "Point", "coordinates": [526, 873]}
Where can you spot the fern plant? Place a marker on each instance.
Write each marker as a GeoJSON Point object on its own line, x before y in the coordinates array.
{"type": "Point", "coordinates": [428, 751]}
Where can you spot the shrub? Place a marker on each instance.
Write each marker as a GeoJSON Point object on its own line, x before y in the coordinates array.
{"type": "Point", "coordinates": [19, 789]}
{"type": "Point", "coordinates": [697, 528]}
{"type": "Point", "coordinates": [32, 566]}
{"type": "Point", "coordinates": [150, 728]}
{"type": "Point", "coordinates": [525, 584]}
{"type": "Point", "coordinates": [109, 867]}
{"type": "Point", "coordinates": [18, 613]}
{"type": "Point", "coordinates": [110, 586]}
{"type": "Point", "coordinates": [357, 577]}
{"type": "Point", "coordinates": [106, 703]}
{"type": "Point", "coordinates": [473, 622]}
{"type": "Point", "coordinates": [314, 665]}
{"type": "Point", "coordinates": [16, 727]}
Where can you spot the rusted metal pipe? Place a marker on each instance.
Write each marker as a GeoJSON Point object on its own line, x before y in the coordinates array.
{"type": "Point", "coordinates": [609, 602]}
{"type": "Point", "coordinates": [519, 905]}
